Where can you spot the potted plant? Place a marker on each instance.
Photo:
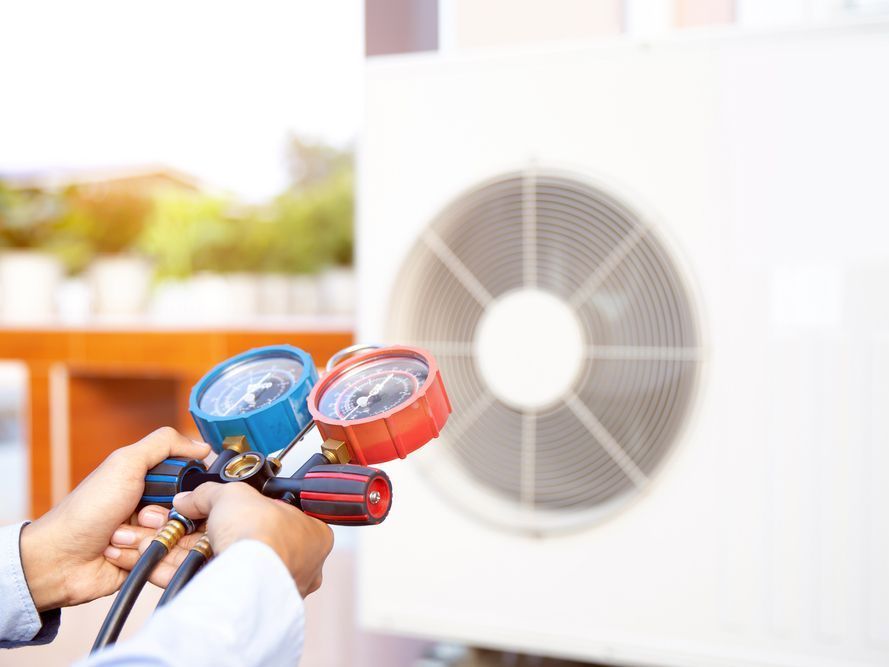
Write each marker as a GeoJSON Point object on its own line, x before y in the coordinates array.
{"type": "Point", "coordinates": [203, 252]}
{"type": "Point", "coordinates": [315, 218]}
{"type": "Point", "coordinates": [29, 275]}
{"type": "Point", "coordinates": [332, 206]}
{"type": "Point", "coordinates": [294, 254]}
{"type": "Point", "coordinates": [102, 223]}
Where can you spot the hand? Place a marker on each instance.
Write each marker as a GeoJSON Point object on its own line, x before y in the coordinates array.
{"type": "Point", "coordinates": [66, 553]}
{"type": "Point", "coordinates": [238, 512]}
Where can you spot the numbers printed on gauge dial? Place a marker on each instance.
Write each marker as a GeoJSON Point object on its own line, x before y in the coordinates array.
{"type": "Point", "coordinates": [373, 388]}
{"type": "Point", "coordinates": [250, 385]}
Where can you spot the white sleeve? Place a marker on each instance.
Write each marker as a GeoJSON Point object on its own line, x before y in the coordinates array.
{"type": "Point", "coordinates": [242, 608]}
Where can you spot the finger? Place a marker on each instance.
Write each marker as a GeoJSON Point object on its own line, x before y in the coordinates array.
{"type": "Point", "coordinates": [164, 443]}
{"type": "Point", "coordinates": [152, 516]}
{"type": "Point", "coordinates": [189, 541]}
{"type": "Point", "coordinates": [208, 461]}
{"type": "Point", "coordinates": [127, 558]}
{"type": "Point", "coordinates": [161, 574]}
{"type": "Point", "coordinates": [167, 568]}
{"type": "Point", "coordinates": [197, 504]}
{"type": "Point", "coordinates": [129, 537]}
{"type": "Point", "coordinates": [124, 558]}
{"type": "Point", "coordinates": [186, 542]}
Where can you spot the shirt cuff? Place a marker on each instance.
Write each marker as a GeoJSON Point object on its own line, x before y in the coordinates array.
{"type": "Point", "coordinates": [20, 624]}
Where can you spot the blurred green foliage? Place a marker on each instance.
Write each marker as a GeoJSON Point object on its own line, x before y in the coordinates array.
{"type": "Point", "coordinates": [313, 226]}
{"type": "Point", "coordinates": [315, 216]}
{"type": "Point", "coordinates": [99, 221]}
{"type": "Point", "coordinates": [28, 218]}
{"type": "Point", "coordinates": [305, 228]}
{"type": "Point", "coordinates": [179, 227]}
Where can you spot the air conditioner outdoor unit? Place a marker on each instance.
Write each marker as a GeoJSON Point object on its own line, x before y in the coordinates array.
{"type": "Point", "coordinates": [656, 277]}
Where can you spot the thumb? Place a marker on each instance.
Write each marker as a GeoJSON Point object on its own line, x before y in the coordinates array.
{"type": "Point", "coordinates": [164, 443]}
{"type": "Point", "coordinates": [198, 503]}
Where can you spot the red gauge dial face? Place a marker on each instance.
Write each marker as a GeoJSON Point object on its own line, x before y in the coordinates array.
{"type": "Point", "coordinates": [373, 387]}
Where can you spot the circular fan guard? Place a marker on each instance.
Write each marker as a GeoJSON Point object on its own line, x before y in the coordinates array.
{"type": "Point", "coordinates": [570, 461]}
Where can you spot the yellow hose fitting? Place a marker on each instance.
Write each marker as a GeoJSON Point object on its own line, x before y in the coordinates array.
{"type": "Point", "coordinates": [203, 546]}
{"type": "Point", "coordinates": [170, 534]}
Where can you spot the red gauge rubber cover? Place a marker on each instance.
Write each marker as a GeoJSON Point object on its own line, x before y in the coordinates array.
{"type": "Point", "coordinates": [397, 432]}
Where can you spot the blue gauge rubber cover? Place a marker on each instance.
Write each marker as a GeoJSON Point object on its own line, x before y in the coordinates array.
{"type": "Point", "coordinates": [270, 427]}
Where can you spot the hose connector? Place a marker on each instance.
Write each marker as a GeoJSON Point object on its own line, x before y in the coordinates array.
{"type": "Point", "coordinates": [202, 546]}
{"type": "Point", "coordinates": [170, 534]}
{"type": "Point", "coordinates": [190, 526]}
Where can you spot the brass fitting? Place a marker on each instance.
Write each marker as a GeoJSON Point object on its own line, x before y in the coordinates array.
{"type": "Point", "coordinates": [203, 546]}
{"type": "Point", "coordinates": [243, 465]}
{"type": "Point", "coordinates": [275, 463]}
{"type": "Point", "coordinates": [336, 451]}
{"type": "Point", "coordinates": [237, 443]}
{"type": "Point", "coordinates": [170, 534]}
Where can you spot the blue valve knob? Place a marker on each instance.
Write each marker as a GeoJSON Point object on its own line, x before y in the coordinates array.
{"type": "Point", "coordinates": [166, 479]}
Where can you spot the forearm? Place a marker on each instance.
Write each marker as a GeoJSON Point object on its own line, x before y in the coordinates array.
{"type": "Point", "coordinates": [242, 609]}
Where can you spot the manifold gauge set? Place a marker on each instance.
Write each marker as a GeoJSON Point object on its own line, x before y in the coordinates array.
{"type": "Point", "coordinates": [371, 405]}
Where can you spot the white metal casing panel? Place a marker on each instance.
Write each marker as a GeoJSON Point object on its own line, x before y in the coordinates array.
{"type": "Point", "coordinates": [762, 160]}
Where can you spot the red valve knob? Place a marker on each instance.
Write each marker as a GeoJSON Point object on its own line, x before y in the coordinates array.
{"type": "Point", "coordinates": [346, 495]}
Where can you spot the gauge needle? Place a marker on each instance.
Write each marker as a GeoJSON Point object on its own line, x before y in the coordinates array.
{"type": "Point", "coordinates": [250, 395]}
{"type": "Point", "coordinates": [361, 401]}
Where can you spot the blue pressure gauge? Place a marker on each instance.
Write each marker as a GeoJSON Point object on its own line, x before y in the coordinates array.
{"type": "Point", "coordinates": [260, 394]}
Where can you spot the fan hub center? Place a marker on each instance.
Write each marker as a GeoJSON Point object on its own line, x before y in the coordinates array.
{"type": "Point", "coordinates": [529, 348]}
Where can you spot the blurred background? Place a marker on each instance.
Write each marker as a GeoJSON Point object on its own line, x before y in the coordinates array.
{"type": "Point", "coordinates": [701, 181]}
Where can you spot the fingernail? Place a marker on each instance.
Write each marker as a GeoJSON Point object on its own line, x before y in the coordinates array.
{"type": "Point", "coordinates": [123, 537]}
{"type": "Point", "coordinates": [153, 519]}
{"type": "Point", "coordinates": [201, 443]}
{"type": "Point", "coordinates": [112, 552]}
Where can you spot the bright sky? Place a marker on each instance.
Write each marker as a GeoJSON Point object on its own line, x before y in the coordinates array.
{"type": "Point", "coordinates": [211, 88]}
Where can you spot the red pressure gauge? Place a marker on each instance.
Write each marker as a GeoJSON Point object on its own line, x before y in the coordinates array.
{"type": "Point", "coordinates": [383, 404]}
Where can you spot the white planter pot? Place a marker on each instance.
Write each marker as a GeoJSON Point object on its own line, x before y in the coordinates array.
{"type": "Point", "coordinates": [209, 297]}
{"type": "Point", "coordinates": [172, 303]}
{"type": "Point", "coordinates": [224, 299]}
{"type": "Point", "coordinates": [74, 299]}
{"type": "Point", "coordinates": [274, 295]}
{"type": "Point", "coordinates": [28, 284]}
{"type": "Point", "coordinates": [305, 298]}
{"type": "Point", "coordinates": [337, 287]}
{"type": "Point", "coordinates": [121, 284]}
{"type": "Point", "coordinates": [243, 303]}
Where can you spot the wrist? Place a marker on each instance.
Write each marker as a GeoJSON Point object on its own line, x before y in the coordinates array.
{"type": "Point", "coordinates": [44, 572]}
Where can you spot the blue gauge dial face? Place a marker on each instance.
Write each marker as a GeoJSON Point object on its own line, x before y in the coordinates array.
{"type": "Point", "coordinates": [373, 387]}
{"type": "Point", "coordinates": [250, 385]}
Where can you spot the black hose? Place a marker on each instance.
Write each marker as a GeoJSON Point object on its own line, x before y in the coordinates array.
{"type": "Point", "coordinates": [193, 562]}
{"type": "Point", "coordinates": [126, 598]}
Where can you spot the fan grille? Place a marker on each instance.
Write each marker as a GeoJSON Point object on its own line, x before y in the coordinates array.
{"type": "Point", "coordinates": [606, 435]}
